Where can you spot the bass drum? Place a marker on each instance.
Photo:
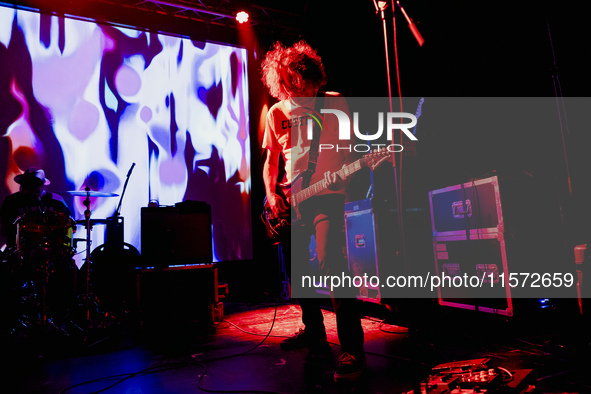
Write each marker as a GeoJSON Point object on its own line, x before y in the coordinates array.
{"type": "Point", "coordinates": [113, 277]}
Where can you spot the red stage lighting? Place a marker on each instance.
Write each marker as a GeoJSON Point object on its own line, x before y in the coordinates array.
{"type": "Point", "coordinates": [242, 17]}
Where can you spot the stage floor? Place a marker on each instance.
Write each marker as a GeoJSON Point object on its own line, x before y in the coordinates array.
{"type": "Point", "coordinates": [236, 355]}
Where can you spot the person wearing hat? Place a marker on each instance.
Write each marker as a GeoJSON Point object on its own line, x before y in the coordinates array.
{"type": "Point", "coordinates": [38, 259]}
{"type": "Point", "coordinates": [31, 199]}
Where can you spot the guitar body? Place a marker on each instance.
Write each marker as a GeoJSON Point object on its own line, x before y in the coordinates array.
{"type": "Point", "coordinates": [278, 227]}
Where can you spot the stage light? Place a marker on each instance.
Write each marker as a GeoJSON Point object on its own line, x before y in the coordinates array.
{"type": "Point", "coordinates": [242, 17]}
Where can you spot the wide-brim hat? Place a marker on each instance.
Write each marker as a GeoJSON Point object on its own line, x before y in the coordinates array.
{"type": "Point", "coordinates": [32, 176]}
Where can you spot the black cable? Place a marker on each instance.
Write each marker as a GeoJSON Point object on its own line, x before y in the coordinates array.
{"type": "Point", "coordinates": [159, 369]}
{"type": "Point", "coordinates": [336, 344]}
{"type": "Point", "coordinates": [382, 322]}
{"type": "Point", "coordinates": [254, 333]}
{"type": "Point", "coordinates": [391, 332]}
{"type": "Point", "coordinates": [229, 391]}
{"type": "Point", "coordinates": [237, 355]}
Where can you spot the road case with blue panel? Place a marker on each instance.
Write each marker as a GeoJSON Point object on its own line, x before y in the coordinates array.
{"type": "Point", "coordinates": [372, 244]}
{"type": "Point", "coordinates": [362, 245]}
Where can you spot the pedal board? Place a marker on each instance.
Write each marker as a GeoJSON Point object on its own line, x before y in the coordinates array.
{"type": "Point", "coordinates": [462, 377]}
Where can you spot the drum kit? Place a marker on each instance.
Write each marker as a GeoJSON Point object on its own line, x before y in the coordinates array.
{"type": "Point", "coordinates": [51, 292]}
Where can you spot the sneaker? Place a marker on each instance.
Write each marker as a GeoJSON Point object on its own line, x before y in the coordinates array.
{"type": "Point", "coordinates": [301, 340]}
{"type": "Point", "coordinates": [350, 368]}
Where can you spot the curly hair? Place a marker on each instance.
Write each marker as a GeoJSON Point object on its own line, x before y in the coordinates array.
{"type": "Point", "coordinates": [286, 70]}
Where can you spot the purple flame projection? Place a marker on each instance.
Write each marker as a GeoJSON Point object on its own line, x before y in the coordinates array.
{"type": "Point", "coordinates": [84, 101]}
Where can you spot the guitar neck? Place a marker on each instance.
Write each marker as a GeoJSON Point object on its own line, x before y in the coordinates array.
{"type": "Point", "coordinates": [322, 185]}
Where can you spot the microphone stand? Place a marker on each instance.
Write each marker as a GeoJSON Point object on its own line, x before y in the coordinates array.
{"type": "Point", "coordinates": [123, 192]}
{"type": "Point", "coordinates": [380, 7]}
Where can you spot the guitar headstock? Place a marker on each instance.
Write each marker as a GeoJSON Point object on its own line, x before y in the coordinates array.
{"type": "Point", "coordinates": [376, 157]}
{"type": "Point", "coordinates": [420, 107]}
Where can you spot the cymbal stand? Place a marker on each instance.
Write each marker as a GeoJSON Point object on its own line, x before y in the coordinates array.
{"type": "Point", "coordinates": [87, 214]}
{"type": "Point", "coordinates": [44, 291]}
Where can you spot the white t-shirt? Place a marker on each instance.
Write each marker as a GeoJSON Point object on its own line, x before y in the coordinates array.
{"type": "Point", "coordinates": [286, 131]}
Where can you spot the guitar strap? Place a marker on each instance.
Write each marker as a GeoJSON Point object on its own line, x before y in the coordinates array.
{"type": "Point", "coordinates": [313, 152]}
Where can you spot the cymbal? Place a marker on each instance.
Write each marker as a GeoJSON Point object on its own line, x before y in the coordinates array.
{"type": "Point", "coordinates": [92, 221]}
{"type": "Point", "coordinates": [91, 193]}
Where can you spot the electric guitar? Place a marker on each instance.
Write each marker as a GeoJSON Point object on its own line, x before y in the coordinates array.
{"type": "Point", "coordinates": [278, 227]}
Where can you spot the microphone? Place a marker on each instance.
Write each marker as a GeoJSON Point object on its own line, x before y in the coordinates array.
{"type": "Point", "coordinates": [412, 26]}
{"type": "Point", "coordinates": [130, 170]}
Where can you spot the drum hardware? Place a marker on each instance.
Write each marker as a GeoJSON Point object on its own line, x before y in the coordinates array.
{"type": "Point", "coordinates": [75, 241]}
{"type": "Point", "coordinates": [88, 224]}
{"type": "Point", "coordinates": [42, 274]}
{"type": "Point", "coordinates": [89, 301]}
{"type": "Point", "coordinates": [115, 223]}
{"type": "Point", "coordinates": [90, 193]}
{"type": "Point", "coordinates": [43, 246]}
{"type": "Point", "coordinates": [92, 222]}
{"type": "Point", "coordinates": [114, 264]}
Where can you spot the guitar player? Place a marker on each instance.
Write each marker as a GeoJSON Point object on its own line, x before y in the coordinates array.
{"type": "Point", "coordinates": [294, 76]}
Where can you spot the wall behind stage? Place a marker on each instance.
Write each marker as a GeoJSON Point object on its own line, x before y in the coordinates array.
{"type": "Point", "coordinates": [84, 101]}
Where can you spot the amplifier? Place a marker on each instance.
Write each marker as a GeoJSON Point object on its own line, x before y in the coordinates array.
{"type": "Point", "coordinates": [176, 235]}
